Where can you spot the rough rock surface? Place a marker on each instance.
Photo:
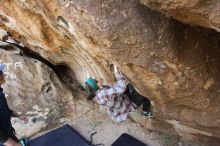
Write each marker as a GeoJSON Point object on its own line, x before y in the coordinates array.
{"type": "Point", "coordinates": [194, 12]}
{"type": "Point", "coordinates": [175, 65]}
{"type": "Point", "coordinates": [35, 90]}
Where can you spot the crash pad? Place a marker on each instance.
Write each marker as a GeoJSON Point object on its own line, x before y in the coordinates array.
{"type": "Point", "coordinates": [63, 136]}
{"type": "Point", "coordinates": [127, 140]}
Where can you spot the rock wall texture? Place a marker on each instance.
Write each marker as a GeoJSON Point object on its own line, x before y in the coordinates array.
{"type": "Point", "coordinates": [195, 12]}
{"type": "Point", "coordinates": [33, 89]}
{"type": "Point", "coordinates": [177, 66]}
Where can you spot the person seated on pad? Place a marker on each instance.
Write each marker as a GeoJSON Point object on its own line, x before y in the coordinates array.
{"type": "Point", "coordinates": [7, 132]}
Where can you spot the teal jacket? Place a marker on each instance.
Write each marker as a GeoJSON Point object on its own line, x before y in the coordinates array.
{"type": "Point", "coordinates": [6, 129]}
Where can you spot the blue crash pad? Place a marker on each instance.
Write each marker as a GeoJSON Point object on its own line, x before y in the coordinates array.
{"type": "Point", "coordinates": [127, 140]}
{"type": "Point", "coordinates": [63, 136]}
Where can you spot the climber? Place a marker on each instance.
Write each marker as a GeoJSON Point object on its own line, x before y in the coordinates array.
{"type": "Point", "coordinates": [137, 99]}
{"type": "Point", "coordinates": [7, 132]}
{"type": "Point", "coordinates": [113, 98]}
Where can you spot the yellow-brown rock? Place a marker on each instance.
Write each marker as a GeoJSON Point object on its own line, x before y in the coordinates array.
{"type": "Point", "coordinates": [194, 12]}
{"type": "Point", "coordinates": [177, 66]}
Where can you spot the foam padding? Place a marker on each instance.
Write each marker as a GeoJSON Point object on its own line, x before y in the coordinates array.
{"type": "Point", "coordinates": [127, 140]}
{"type": "Point", "coordinates": [63, 136]}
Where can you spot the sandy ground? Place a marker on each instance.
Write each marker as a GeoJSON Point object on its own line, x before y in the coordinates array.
{"type": "Point", "coordinates": [108, 131]}
{"type": "Point", "coordinates": [87, 117]}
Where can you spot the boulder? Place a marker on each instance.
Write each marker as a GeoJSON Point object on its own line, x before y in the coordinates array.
{"type": "Point", "coordinates": [173, 64]}
{"type": "Point", "coordinates": [33, 89]}
{"type": "Point", "coordinates": [194, 12]}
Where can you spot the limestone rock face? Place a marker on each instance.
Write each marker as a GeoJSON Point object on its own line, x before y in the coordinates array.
{"type": "Point", "coordinates": [175, 65]}
{"type": "Point", "coordinates": [195, 12]}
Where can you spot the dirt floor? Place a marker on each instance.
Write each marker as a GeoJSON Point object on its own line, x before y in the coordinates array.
{"type": "Point", "coordinates": [87, 117]}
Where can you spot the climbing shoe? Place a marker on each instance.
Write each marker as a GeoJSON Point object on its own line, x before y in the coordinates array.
{"type": "Point", "coordinates": [23, 142]}
{"type": "Point", "coordinates": [134, 105]}
{"type": "Point", "coordinates": [147, 114]}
